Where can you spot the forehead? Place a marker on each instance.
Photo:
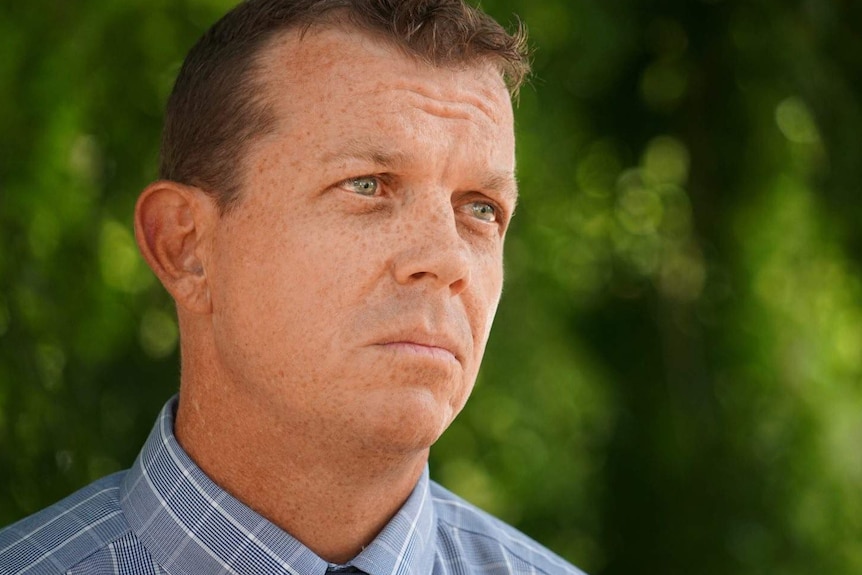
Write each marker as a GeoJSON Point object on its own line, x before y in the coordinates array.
{"type": "Point", "coordinates": [325, 63]}
{"type": "Point", "coordinates": [343, 98]}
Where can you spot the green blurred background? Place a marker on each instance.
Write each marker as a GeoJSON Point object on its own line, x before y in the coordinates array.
{"type": "Point", "coordinates": [674, 382]}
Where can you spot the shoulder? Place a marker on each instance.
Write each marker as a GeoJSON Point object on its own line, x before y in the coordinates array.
{"type": "Point", "coordinates": [60, 536]}
{"type": "Point", "coordinates": [480, 542]}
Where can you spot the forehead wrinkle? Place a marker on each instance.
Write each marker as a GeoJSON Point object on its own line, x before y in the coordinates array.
{"type": "Point", "coordinates": [460, 107]}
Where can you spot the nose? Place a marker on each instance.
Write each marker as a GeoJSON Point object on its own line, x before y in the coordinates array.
{"type": "Point", "coordinates": [431, 249]}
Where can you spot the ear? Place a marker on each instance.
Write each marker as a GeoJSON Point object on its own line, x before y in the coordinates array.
{"type": "Point", "coordinates": [172, 224]}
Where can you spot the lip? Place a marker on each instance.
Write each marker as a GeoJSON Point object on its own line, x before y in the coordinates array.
{"type": "Point", "coordinates": [421, 350]}
{"type": "Point", "coordinates": [438, 347]}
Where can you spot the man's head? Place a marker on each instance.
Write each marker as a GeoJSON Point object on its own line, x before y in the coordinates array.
{"type": "Point", "coordinates": [217, 106]}
{"type": "Point", "coordinates": [345, 297]}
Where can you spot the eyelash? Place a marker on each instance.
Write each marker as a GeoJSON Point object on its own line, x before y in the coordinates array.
{"type": "Point", "coordinates": [498, 212]}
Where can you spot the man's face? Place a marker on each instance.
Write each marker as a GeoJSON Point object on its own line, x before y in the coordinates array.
{"type": "Point", "coordinates": [355, 283]}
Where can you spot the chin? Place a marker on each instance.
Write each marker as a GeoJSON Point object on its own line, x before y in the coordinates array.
{"type": "Point", "coordinates": [408, 422]}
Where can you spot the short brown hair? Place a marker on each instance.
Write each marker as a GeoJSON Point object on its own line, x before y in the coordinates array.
{"type": "Point", "coordinates": [216, 108]}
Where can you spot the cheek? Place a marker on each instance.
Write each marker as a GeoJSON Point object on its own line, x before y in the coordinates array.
{"type": "Point", "coordinates": [253, 281]}
{"type": "Point", "coordinates": [297, 280]}
{"type": "Point", "coordinates": [481, 312]}
{"type": "Point", "coordinates": [491, 278]}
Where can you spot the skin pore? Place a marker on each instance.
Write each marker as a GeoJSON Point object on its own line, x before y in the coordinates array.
{"type": "Point", "coordinates": [334, 320]}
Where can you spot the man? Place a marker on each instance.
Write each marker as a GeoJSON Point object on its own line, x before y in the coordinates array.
{"type": "Point", "coordinates": [337, 179]}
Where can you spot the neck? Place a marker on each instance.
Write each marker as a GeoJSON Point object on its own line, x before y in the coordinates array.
{"type": "Point", "coordinates": [327, 493]}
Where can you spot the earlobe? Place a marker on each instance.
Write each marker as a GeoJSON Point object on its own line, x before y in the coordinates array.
{"type": "Point", "coordinates": [172, 222]}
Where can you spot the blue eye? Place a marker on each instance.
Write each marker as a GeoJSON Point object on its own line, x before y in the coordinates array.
{"type": "Point", "coordinates": [364, 186]}
{"type": "Point", "coordinates": [484, 211]}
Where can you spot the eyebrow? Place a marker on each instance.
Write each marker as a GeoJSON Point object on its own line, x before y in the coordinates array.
{"type": "Point", "coordinates": [357, 150]}
{"type": "Point", "coordinates": [503, 182]}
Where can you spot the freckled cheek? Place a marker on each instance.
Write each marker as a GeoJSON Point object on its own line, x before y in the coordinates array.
{"type": "Point", "coordinates": [361, 243]}
{"type": "Point", "coordinates": [481, 309]}
{"type": "Point", "coordinates": [256, 263]}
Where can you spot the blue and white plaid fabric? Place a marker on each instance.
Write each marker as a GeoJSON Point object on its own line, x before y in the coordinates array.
{"type": "Point", "coordinates": [164, 516]}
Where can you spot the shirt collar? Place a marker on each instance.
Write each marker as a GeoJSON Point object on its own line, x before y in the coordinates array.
{"type": "Point", "coordinates": [407, 545]}
{"type": "Point", "coordinates": [190, 525]}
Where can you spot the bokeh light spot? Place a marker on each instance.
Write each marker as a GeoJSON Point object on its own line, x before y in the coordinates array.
{"type": "Point", "coordinates": [51, 361]}
{"type": "Point", "coordinates": [122, 267]}
{"type": "Point", "coordinates": [158, 333]}
{"type": "Point", "coordinates": [796, 122]}
{"type": "Point", "coordinates": [666, 161]}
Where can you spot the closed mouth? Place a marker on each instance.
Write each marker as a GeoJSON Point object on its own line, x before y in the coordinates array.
{"type": "Point", "coordinates": [421, 349]}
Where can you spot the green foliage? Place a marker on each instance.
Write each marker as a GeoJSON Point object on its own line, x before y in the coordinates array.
{"type": "Point", "coordinates": [673, 381]}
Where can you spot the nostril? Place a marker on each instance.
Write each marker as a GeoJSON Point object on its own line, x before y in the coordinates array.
{"type": "Point", "coordinates": [459, 285]}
